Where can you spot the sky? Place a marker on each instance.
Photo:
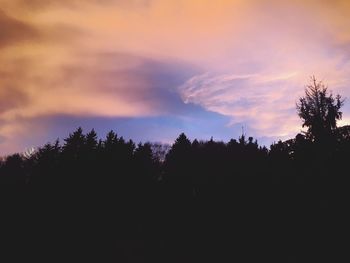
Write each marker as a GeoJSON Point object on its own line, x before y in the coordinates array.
{"type": "Point", "coordinates": [151, 69]}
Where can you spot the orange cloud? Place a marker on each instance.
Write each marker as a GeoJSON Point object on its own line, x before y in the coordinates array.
{"type": "Point", "coordinates": [258, 55]}
{"type": "Point", "coordinates": [14, 31]}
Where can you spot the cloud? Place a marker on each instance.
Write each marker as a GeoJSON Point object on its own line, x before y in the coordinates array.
{"type": "Point", "coordinates": [14, 31]}
{"type": "Point", "coordinates": [262, 66]}
{"type": "Point", "coordinates": [113, 85]}
{"type": "Point", "coordinates": [11, 98]}
{"type": "Point", "coordinates": [126, 59]}
{"type": "Point", "coordinates": [41, 5]}
{"type": "Point", "coordinates": [263, 103]}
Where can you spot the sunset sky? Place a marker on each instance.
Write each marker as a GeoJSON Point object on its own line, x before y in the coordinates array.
{"type": "Point", "coordinates": [151, 69]}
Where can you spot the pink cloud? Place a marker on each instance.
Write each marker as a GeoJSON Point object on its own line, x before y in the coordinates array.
{"type": "Point", "coordinates": [259, 55]}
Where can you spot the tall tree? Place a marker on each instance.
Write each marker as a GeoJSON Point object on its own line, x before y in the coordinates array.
{"type": "Point", "coordinates": [91, 140]}
{"type": "Point", "coordinates": [178, 158]}
{"type": "Point", "coordinates": [319, 110]}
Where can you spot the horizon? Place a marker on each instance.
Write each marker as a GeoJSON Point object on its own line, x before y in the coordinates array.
{"type": "Point", "coordinates": [152, 69]}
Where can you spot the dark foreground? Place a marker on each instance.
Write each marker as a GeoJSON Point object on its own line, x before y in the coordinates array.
{"type": "Point", "coordinates": [288, 220]}
{"type": "Point", "coordinates": [209, 201]}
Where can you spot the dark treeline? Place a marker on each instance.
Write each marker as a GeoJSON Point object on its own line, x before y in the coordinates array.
{"type": "Point", "coordinates": [113, 201]}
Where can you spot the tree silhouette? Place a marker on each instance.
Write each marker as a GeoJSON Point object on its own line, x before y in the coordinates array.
{"type": "Point", "coordinates": [319, 110]}
{"type": "Point", "coordinates": [146, 163]}
{"type": "Point", "coordinates": [74, 144]}
{"type": "Point", "coordinates": [91, 140]}
{"type": "Point", "coordinates": [178, 159]}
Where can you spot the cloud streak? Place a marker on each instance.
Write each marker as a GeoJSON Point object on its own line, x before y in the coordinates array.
{"type": "Point", "coordinates": [263, 103]}
{"type": "Point", "coordinates": [14, 31]}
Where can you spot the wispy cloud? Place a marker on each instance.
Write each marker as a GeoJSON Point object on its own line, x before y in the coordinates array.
{"type": "Point", "coordinates": [264, 103]}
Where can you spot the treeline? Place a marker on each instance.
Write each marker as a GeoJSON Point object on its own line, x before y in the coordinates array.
{"type": "Point", "coordinates": [115, 201]}
{"type": "Point", "coordinates": [85, 157]}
